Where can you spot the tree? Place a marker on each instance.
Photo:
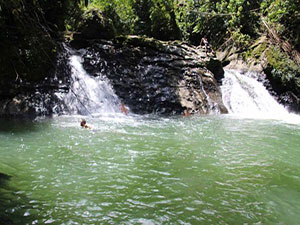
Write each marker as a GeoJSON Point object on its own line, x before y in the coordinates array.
{"type": "Point", "coordinates": [28, 33]}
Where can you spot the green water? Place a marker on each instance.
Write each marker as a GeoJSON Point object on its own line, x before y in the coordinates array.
{"type": "Point", "coordinates": [140, 170]}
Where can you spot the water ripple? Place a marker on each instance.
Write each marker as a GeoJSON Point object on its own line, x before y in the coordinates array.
{"type": "Point", "coordinates": [200, 170]}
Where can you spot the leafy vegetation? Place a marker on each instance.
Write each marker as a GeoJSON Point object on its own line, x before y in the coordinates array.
{"type": "Point", "coordinates": [28, 30]}
{"type": "Point", "coordinates": [282, 68]}
{"type": "Point", "coordinates": [284, 15]}
{"type": "Point", "coordinates": [167, 19]}
{"type": "Point", "coordinates": [31, 29]}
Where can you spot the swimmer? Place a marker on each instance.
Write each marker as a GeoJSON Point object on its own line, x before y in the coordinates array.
{"type": "Point", "coordinates": [84, 125]}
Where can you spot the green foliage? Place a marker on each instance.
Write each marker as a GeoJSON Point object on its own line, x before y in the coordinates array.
{"type": "Point", "coordinates": [186, 18]}
{"type": "Point", "coordinates": [119, 11]}
{"type": "Point", "coordinates": [142, 11]}
{"type": "Point", "coordinates": [143, 17]}
{"type": "Point", "coordinates": [283, 68]}
{"type": "Point", "coordinates": [163, 21]}
{"type": "Point", "coordinates": [240, 39]}
{"type": "Point", "coordinates": [126, 15]}
{"type": "Point", "coordinates": [29, 28]}
{"type": "Point", "coordinates": [238, 20]}
{"type": "Point", "coordinates": [28, 34]}
{"type": "Point", "coordinates": [258, 50]}
{"type": "Point", "coordinates": [219, 20]}
{"type": "Point", "coordinates": [284, 15]}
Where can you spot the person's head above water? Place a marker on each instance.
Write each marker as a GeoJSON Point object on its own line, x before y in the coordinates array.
{"type": "Point", "coordinates": [84, 125]}
{"type": "Point", "coordinates": [83, 122]}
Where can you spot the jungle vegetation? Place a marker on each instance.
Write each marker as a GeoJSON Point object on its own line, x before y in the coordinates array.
{"type": "Point", "coordinates": [31, 30]}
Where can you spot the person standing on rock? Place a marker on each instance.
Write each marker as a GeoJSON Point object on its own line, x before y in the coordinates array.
{"type": "Point", "coordinates": [205, 42]}
{"type": "Point", "coordinates": [207, 46]}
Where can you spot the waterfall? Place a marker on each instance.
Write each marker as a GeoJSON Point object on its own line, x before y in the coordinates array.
{"type": "Point", "coordinates": [243, 95]}
{"type": "Point", "coordinates": [88, 94]}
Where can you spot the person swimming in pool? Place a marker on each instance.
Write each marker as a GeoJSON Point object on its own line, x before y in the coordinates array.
{"type": "Point", "coordinates": [84, 125]}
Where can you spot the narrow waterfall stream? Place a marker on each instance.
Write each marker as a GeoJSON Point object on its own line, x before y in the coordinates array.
{"type": "Point", "coordinates": [89, 95]}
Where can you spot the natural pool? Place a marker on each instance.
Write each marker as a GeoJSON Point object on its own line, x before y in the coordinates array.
{"type": "Point", "coordinates": [150, 170]}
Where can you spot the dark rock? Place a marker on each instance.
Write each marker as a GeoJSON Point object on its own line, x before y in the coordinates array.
{"type": "Point", "coordinates": [158, 77]}
{"type": "Point", "coordinates": [150, 76]}
{"type": "Point", "coordinates": [32, 99]}
{"type": "Point", "coordinates": [216, 67]}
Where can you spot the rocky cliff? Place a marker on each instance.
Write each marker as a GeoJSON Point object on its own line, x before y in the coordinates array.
{"type": "Point", "coordinates": [25, 98]}
{"type": "Point", "coordinates": [153, 76]}
{"type": "Point", "coordinates": [150, 76]}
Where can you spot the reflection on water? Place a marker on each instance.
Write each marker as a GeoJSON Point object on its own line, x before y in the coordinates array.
{"type": "Point", "coordinates": [147, 170]}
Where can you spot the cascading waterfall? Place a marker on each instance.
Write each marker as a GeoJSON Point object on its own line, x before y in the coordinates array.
{"type": "Point", "coordinates": [88, 94]}
{"type": "Point", "coordinates": [243, 95]}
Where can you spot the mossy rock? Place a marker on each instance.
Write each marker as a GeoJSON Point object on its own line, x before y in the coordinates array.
{"type": "Point", "coordinates": [284, 76]}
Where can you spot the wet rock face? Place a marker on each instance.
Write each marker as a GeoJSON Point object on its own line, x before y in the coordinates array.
{"type": "Point", "coordinates": [31, 99]}
{"type": "Point", "coordinates": [157, 77]}
{"type": "Point", "coordinates": [30, 105]}
{"type": "Point", "coordinates": [150, 76]}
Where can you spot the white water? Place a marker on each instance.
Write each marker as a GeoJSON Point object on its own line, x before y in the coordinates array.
{"type": "Point", "coordinates": [89, 95]}
{"type": "Point", "coordinates": [244, 96]}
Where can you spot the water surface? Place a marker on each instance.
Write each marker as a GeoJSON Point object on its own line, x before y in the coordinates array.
{"type": "Point", "coordinates": [148, 170]}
